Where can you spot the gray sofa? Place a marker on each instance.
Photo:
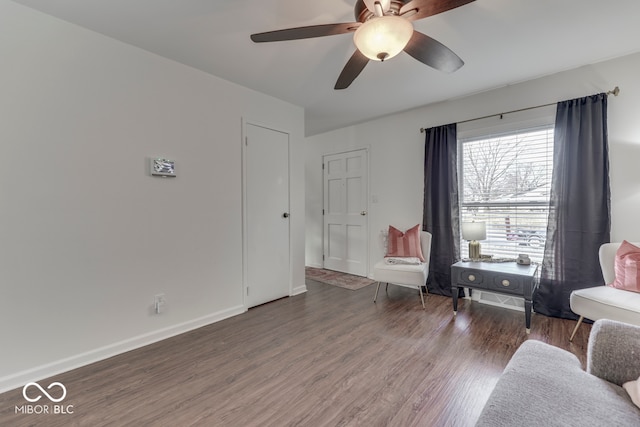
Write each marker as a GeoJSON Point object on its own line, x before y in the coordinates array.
{"type": "Point", "coordinates": [544, 385]}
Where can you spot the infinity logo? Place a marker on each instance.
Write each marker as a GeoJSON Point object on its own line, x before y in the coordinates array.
{"type": "Point", "coordinates": [53, 399]}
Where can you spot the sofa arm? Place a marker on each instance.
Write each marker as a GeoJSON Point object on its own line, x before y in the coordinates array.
{"type": "Point", "coordinates": [614, 351]}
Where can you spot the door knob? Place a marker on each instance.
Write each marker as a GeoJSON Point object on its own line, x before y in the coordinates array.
{"type": "Point", "coordinates": [363, 213]}
{"type": "Point", "coordinates": [285, 215]}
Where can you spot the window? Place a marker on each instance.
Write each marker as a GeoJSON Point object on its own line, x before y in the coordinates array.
{"type": "Point", "coordinates": [505, 182]}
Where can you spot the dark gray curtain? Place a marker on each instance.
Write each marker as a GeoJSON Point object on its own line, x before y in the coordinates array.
{"type": "Point", "coordinates": [580, 206]}
{"type": "Point", "coordinates": [440, 214]}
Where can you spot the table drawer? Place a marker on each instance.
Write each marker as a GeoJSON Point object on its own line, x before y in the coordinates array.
{"type": "Point", "coordinates": [510, 284]}
{"type": "Point", "coordinates": [472, 277]}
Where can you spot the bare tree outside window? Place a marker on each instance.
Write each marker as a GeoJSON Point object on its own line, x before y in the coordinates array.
{"type": "Point", "coordinates": [500, 168]}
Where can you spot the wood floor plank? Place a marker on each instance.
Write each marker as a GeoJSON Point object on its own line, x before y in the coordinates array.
{"type": "Point", "coordinates": [330, 357]}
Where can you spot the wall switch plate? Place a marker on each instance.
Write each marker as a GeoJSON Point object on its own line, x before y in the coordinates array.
{"type": "Point", "coordinates": [158, 302]}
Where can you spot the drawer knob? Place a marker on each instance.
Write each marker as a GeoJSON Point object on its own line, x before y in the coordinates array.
{"type": "Point", "coordinates": [472, 278]}
{"type": "Point", "coordinates": [505, 282]}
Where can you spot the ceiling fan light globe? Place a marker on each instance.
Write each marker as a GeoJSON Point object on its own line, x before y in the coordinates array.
{"type": "Point", "coordinates": [384, 37]}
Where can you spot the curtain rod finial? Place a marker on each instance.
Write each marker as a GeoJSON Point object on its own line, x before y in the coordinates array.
{"type": "Point", "coordinates": [615, 91]}
{"type": "Point", "coordinates": [421, 130]}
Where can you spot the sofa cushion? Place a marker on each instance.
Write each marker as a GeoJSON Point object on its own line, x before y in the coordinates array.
{"type": "Point", "coordinates": [400, 274]}
{"type": "Point", "coordinates": [544, 385]}
{"type": "Point", "coordinates": [612, 351]}
{"type": "Point", "coordinates": [605, 302]}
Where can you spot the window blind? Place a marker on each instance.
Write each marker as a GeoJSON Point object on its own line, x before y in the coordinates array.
{"type": "Point", "coordinates": [505, 182]}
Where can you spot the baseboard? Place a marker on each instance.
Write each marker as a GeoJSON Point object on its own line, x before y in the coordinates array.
{"type": "Point", "coordinates": [55, 368]}
{"type": "Point", "coordinates": [299, 290]}
{"type": "Point", "coordinates": [313, 265]}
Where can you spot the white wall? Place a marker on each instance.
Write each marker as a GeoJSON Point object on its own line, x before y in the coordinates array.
{"type": "Point", "coordinates": [87, 237]}
{"type": "Point", "coordinates": [397, 148]}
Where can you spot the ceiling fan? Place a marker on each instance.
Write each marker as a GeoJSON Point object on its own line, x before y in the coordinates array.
{"type": "Point", "coordinates": [382, 30]}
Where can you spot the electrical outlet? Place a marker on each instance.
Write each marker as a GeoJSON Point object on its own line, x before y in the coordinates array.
{"type": "Point", "coordinates": [159, 302]}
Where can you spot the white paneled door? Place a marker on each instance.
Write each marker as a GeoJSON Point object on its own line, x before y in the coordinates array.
{"type": "Point", "coordinates": [267, 246]}
{"type": "Point", "coordinates": [346, 233]}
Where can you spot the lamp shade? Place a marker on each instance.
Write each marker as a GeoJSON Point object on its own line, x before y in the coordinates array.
{"type": "Point", "coordinates": [474, 230]}
{"type": "Point", "coordinates": [383, 37]}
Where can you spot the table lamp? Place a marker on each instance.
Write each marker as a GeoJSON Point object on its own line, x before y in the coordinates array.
{"type": "Point", "coordinates": [474, 231]}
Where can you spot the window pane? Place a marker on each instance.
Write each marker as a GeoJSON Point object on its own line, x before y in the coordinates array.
{"type": "Point", "coordinates": [511, 230]}
{"type": "Point", "coordinates": [505, 182]}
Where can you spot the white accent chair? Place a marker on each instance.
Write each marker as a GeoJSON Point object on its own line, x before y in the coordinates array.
{"type": "Point", "coordinates": [606, 302]}
{"type": "Point", "coordinates": [407, 275]}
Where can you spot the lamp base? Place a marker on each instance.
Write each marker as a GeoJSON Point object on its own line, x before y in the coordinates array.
{"type": "Point", "coordinates": [474, 250]}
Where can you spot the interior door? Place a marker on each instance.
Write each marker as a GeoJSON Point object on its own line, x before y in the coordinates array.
{"type": "Point", "coordinates": [346, 233]}
{"type": "Point", "coordinates": [267, 245]}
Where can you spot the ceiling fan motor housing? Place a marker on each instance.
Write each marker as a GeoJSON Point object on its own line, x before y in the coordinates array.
{"type": "Point", "coordinates": [362, 13]}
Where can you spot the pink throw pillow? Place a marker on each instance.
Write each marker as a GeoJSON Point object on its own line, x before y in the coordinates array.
{"type": "Point", "coordinates": [627, 267]}
{"type": "Point", "coordinates": [405, 244]}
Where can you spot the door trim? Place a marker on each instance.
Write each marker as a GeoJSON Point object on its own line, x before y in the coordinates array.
{"type": "Point", "coordinates": [245, 237]}
{"type": "Point", "coordinates": [367, 150]}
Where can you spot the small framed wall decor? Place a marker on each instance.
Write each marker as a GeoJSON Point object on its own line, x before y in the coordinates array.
{"type": "Point", "coordinates": [163, 167]}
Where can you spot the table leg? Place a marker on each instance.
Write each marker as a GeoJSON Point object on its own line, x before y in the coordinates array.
{"type": "Point", "coordinates": [527, 314]}
{"type": "Point", "coordinates": [454, 295]}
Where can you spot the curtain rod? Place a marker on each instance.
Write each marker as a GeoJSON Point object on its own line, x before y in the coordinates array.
{"type": "Point", "coordinates": [614, 92]}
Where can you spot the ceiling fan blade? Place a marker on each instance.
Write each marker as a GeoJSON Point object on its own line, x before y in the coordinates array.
{"type": "Point", "coordinates": [305, 32]}
{"type": "Point", "coordinates": [433, 53]}
{"type": "Point", "coordinates": [354, 66]}
{"type": "Point", "coordinates": [418, 9]}
{"type": "Point", "coordinates": [385, 5]}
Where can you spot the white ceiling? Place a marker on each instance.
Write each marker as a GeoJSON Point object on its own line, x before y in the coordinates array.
{"type": "Point", "coordinates": [501, 41]}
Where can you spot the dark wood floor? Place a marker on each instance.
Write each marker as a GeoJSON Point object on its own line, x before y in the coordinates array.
{"type": "Point", "coordinates": [330, 357]}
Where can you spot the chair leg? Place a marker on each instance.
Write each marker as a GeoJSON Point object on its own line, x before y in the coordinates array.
{"type": "Point", "coordinates": [421, 297]}
{"type": "Point", "coordinates": [375, 297]}
{"type": "Point", "coordinates": [573, 334]}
